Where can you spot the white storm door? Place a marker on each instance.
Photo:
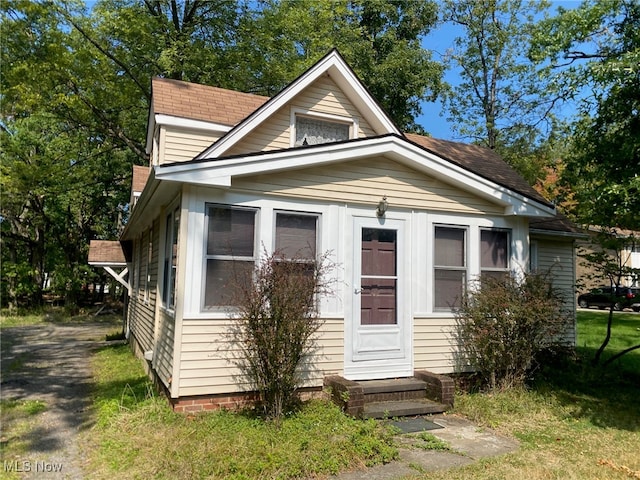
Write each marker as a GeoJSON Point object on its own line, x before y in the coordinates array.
{"type": "Point", "coordinates": [379, 321]}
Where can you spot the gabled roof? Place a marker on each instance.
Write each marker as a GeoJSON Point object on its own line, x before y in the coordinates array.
{"type": "Point", "coordinates": [332, 65]}
{"type": "Point", "coordinates": [200, 102]}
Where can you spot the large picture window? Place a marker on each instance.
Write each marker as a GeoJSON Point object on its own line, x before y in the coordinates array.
{"type": "Point", "coordinates": [450, 266]}
{"type": "Point", "coordinates": [494, 252]}
{"type": "Point", "coordinates": [230, 252]}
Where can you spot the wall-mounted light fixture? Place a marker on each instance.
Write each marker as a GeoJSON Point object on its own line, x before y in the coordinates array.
{"type": "Point", "coordinates": [382, 207]}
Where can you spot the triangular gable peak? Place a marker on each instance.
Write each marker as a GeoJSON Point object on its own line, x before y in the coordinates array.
{"type": "Point", "coordinates": [336, 69]}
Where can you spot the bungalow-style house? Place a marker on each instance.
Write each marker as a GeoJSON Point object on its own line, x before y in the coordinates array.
{"type": "Point", "coordinates": [409, 220]}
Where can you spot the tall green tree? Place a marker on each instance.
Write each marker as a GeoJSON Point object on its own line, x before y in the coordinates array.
{"type": "Point", "coordinates": [378, 38]}
{"type": "Point", "coordinates": [76, 91]}
{"type": "Point", "coordinates": [504, 101]}
{"type": "Point", "coordinates": [598, 44]}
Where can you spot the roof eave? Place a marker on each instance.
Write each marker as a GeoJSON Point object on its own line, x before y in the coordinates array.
{"type": "Point", "coordinates": [219, 172]}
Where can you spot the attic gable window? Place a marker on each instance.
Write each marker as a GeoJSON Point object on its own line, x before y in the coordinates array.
{"type": "Point", "coordinates": [314, 131]}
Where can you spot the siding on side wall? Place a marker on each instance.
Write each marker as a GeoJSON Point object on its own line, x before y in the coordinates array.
{"type": "Point", "coordinates": [163, 355]}
{"type": "Point", "coordinates": [141, 312]}
{"type": "Point", "coordinates": [365, 181]}
{"type": "Point", "coordinates": [323, 96]}
{"type": "Point", "coordinates": [557, 256]}
{"type": "Point", "coordinates": [183, 144]}
{"type": "Point", "coordinates": [142, 323]}
{"type": "Point", "coordinates": [434, 344]}
{"type": "Point", "coordinates": [208, 359]}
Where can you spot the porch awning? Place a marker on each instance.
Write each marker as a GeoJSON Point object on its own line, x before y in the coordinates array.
{"type": "Point", "coordinates": [109, 255]}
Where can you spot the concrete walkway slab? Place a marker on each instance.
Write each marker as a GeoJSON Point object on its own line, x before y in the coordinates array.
{"type": "Point", "coordinates": [468, 443]}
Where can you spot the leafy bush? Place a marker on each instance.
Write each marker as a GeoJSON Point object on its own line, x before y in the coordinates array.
{"type": "Point", "coordinates": [277, 318]}
{"type": "Point", "coordinates": [505, 323]}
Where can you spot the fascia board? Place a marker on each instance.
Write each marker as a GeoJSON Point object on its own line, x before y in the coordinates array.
{"type": "Point", "coordinates": [143, 201]}
{"type": "Point", "coordinates": [108, 264]}
{"type": "Point", "coordinates": [221, 172]}
{"type": "Point", "coordinates": [331, 62]}
{"type": "Point", "coordinates": [170, 120]}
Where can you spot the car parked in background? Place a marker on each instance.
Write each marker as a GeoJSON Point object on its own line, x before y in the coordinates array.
{"type": "Point", "coordinates": [604, 297]}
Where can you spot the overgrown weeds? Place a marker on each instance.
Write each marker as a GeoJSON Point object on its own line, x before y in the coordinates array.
{"type": "Point", "coordinates": [138, 436]}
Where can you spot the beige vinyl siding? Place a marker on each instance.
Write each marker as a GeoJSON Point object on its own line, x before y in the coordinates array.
{"type": "Point", "coordinates": [141, 312]}
{"type": "Point", "coordinates": [142, 321]}
{"type": "Point", "coordinates": [364, 182]}
{"type": "Point", "coordinates": [323, 96]}
{"type": "Point", "coordinates": [433, 347]}
{"type": "Point", "coordinates": [163, 355]}
{"type": "Point", "coordinates": [557, 256]}
{"type": "Point", "coordinates": [209, 357]}
{"type": "Point", "coordinates": [179, 144]}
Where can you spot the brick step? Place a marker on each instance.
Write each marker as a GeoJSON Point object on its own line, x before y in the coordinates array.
{"type": "Point", "coordinates": [421, 394]}
{"type": "Point", "coordinates": [404, 408]}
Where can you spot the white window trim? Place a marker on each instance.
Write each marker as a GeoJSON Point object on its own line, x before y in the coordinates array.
{"type": "Point", "coordinates": [328, 117]}
{"type": "Point", "coordinates": [206, 257]}
{"type": "Point", "coordinates": [464, 268]}
{"type": "Point", "coordinates": [169, 213]}
{"type": "Point", "coordinates": [147, 277]}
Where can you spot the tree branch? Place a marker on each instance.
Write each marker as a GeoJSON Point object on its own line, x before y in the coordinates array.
{"type": "Point", "coordinates": [107, 54]}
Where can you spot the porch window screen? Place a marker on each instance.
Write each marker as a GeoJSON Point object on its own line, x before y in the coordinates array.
{"type": "Point", "coordinates": [450, 266]}
{"type": "Point", "coordinates": [312, 131]}
{"type": "Point", "coordinates": [171, 258]}
{"type": "Point", "coordinates": [230, 253]}
{"type": "Point", "coordinates": [494, 252]}
{"type": "Point", "coordinates": [296, 240]}
{"type": "Point", "coordinates": [296, 235]}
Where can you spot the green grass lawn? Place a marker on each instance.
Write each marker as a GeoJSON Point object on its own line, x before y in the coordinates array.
{"type": "Point", "coordinates": [138, 436]}
{"type": "Point", "coordinates": [625, 333]}
{"type": "Point", "coordinates": [576, 421]}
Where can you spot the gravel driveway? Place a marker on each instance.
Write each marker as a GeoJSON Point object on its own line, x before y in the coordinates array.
{"type": "Point", "coordinates": [50, 363]}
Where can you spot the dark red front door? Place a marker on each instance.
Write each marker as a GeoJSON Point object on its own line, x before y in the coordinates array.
{"type": "Point", "coordinates": [378, 277]}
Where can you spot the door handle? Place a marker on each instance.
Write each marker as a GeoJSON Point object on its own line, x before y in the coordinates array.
{"type": "Point", "coordinates": [357, 291]}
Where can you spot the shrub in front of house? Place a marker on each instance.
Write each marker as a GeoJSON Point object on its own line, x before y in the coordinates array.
{"type": "Point", "coordinates": [277, 318]}
{"type": "Point", "coordinates": [505, 323]}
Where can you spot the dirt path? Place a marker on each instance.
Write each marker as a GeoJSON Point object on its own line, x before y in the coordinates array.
{"type": "Point", "coordinates": [50, 363]}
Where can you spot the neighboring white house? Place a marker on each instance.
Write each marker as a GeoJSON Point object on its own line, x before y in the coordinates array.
{"type": "Point", "coordinates": [233, 175]}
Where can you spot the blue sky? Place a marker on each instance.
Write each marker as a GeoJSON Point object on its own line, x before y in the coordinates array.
{"type": "Point", "coordinates": [438, 41]}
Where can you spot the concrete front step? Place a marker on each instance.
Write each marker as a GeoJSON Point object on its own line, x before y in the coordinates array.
{"type": "Point", "coordinates": [402, 408]}
{"type": "Point", "coordinates": [370, 387]}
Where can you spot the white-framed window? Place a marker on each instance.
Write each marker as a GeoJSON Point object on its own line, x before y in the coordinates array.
{"type": "Point", "coordinates": [495, 252]}
{"type": "Point", "coordinates": [172, 230]}
{"type": "Point", "coordinates": [533, 256]}
{"type": "Point", "coordinates": [314, 128]}
{"type": "Point", "coordinates": [230, 252]}
{"type": "Point", "coordinates": [450, 266]}
{"type": "Point", "coordinates": [147, 277]}
{"type": "Point", "coordinates": [296, 235]}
